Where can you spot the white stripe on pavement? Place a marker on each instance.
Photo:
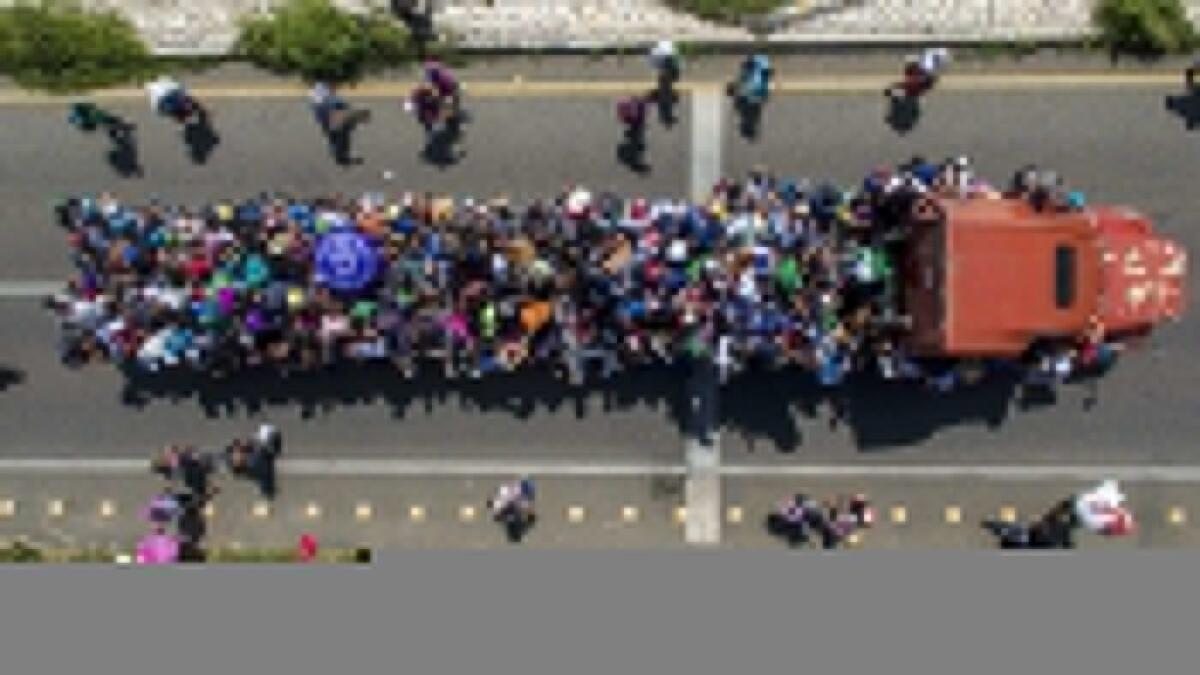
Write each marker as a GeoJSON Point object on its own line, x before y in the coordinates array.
{"type": "Point", "coordinates": [355, 467]}
{"type": "Point", "coordinates": [29, 289]}
{"type": "Point", "coordinates": [1178, 474]}
{"type": "Point", "coordinates": [707, 142]}
{"type": "Point", "coordinates": [418, 467]}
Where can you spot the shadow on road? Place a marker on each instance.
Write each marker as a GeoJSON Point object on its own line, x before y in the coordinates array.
{"type": "Point", "coordinates": [123, 155]}
{"type": "Point", "coordinates": [1186, 107]}
{"type": "Point", "coordinates": [10, 378]}
{"type": "Point", "coordinates": [749, 116]}
{"type": "Point", "coordinates": [201, 138]}
{"type": "Point", "coordinates": [341, 136]}
{"type": "Point", "coordinates": [760, 407]}
{"type": "Point", "coordinates": [631, 152]}
{"type": "Point", "coordinates": [443, 145]}
{"type": "Point", "coordinates": [903, 113]}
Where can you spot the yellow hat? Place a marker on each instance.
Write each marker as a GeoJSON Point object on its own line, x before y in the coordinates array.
{"type": "Point", "coordinates": [224, 212]}
{"type": "Point", "coordinates": [295, 298]}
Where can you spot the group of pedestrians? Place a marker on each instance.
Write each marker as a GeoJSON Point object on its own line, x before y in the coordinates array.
{"type": "Point", "coordinates": [176, 514]}
{"type": "Point", "coordinates": [800, 519]}
{"type": "Point", "coordinates": [768, 272]}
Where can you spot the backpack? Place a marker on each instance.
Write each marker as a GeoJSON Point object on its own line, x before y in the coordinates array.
{"type": "Point", "coordinates": [629, 111]}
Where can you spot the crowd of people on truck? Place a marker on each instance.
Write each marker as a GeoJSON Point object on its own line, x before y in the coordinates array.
{"type": "Point", "coordinates": [768, 271]}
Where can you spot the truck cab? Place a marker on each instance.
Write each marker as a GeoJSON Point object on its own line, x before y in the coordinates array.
{"type": "Point", "coordinates": [986, 278]}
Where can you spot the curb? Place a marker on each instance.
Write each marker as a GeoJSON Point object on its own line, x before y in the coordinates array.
{"type": "Point", "coordinates": [816, 42]}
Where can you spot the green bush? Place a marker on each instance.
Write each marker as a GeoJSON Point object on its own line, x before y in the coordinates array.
{"type": "Point", "coordinates": [58, 46]}
{"type": "Point", "coordinates": [1150, 27]}
{"type": "Point", "coordinates": [318, 41]}
{"type": "Point", "coordinates": [20, 552]}
{"type": "Point", "coordinates": [726, 10]}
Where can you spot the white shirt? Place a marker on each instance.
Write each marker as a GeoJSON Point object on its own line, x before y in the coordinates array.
{"type": "Point", "coordinates": [661, 52]}
{"type": "Point", "coordinates": [933, 60]}
{"type": "Point", "coordinates": [160, 89]}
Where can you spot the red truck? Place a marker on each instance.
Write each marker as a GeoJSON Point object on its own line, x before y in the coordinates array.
{"type": "Point", "coordinates": [987, 278]}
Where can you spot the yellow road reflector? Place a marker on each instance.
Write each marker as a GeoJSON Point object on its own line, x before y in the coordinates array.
{"type": "Point", "coordinates": [576, 514]}
{"type": "Point", "coordinates": [56, 508]}
{"type": "Point", "coordinates": [107, 508]}
{"type": "Point", "coordinates": [953, 515]}
{"type": "Point", "coordinates": [363, 511]}
{"type": "Point", "coordinates": [630, 514]}
{"type": "Point", "coordinates": [467, 513]}
{"type": "Point", "coordinates": [1177, 515]}
{"type": "Point", "coordinates": [1008, 514]}
{"type": "Point", "coordinates": [899, 515]}
{"type": "Point", "coordinates": [416, 514]}
{"type": "Point", "coordinates": [734, 514]}
{"type": "Point", "coordinates": [261, 509]}
{"type": "Point", "coordinates": [8, 508]}
{"type": "Point", "coordinates": [681, 515]}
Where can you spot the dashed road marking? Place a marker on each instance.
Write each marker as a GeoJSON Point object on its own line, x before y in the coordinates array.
{"type": "Point", "coordinates": [1177, 515]}
{"type": "Point", "coordinates": [854, 539]}
{"type": "Point", "coordinates": [108, 508]}
{"type": "Point", "coordinates": [363, 511]}
{"type": "Point", "coordinates": [576, 514]}
{"type": "Point", "coordinates": [1008, 514]}
{"type": "Point", "coordinates": [56, 508]}
{"type": "Point", "coordinates": [312, 510]}
{"type": "Point", "coordinates": [467, 513]}
{"type": "Point", "coordinates": [630, 514]}
{"type": "Point", "coordinates": [680, 515]}
{"type": "Point", "coordinates": [210, 511]}
{"type": "Point", "coordinates": [261, 509]}
{"type": "Point", "coordinates": [8, 508]}
{"type": "Point", "coordinates": [123, 559]}
{"type": "Point", "coordinates": [417, 513]}
{"type": "Point", "coordinates": [899, 515]}
{"type": "Point", "coordinates": [734, 515]}
{"type": "Point", "coordinates": [954, 515]}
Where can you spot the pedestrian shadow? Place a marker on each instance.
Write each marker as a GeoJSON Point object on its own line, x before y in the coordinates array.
{"type": "Point", "coordinates": [341, 137]}
{"type": "Point", "coordinates": [201, 138]}
{"type": "Point", "coordinates": [443, 145]}
{"type": "Point", "coordinates": [10, 377]}
{"type": "Point", "coordinates": [771, 408]}
{"type": "Point", "coordinates": [1186, 107]}
{"type": "Point", "coordinates": [666, 100]}
{"type": "Point", "coordinates": [903, 113]}
{"type": "Point", "coordinates": [631, 151]}
{"type": "Point", "coordinates": [749, 118]}
{"type": "Point", "coordinates": [123, 155]}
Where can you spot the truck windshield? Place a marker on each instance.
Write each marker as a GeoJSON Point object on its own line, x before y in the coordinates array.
{"type": "Point", "coordinates": [1064, 276]}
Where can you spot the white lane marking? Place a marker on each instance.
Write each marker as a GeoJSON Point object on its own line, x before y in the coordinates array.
{"type": "Point", "coordinates": [1185, 474]}
{"type": "Point", "coordinates": [355, 467]}
{"type": "Point", "coordinates": [707, 141]}
{"type": "Point", "coordinates": [29, 289]}
{"type": "Point", "coordinates": [402, 467]}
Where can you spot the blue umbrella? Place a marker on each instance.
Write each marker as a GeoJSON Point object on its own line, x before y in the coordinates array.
{"type": "Point", "coordinates": [345, 261]}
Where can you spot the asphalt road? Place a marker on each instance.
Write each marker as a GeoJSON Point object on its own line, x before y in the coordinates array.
{"type": "Point", "coordinates": [1120, 146]}
{"type": "Point", "coordinates": [390, 512]}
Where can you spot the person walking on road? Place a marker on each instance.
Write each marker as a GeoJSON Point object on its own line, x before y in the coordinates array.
{"type": "Point", "coordinates": [631, 113]}
{"type": "Point", "coordinates": [513, 507]}
{"type": "Point", "coordinates": [171, 99]}
{"type": "Point", "coordinates": [664, 59]}
{"type": "Point", "coordinates": [337, 120]}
